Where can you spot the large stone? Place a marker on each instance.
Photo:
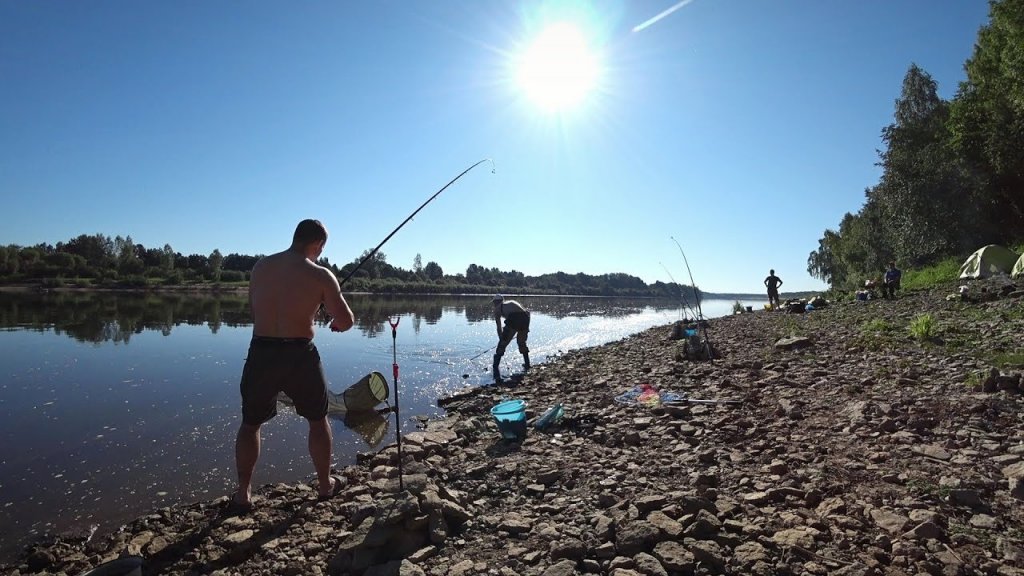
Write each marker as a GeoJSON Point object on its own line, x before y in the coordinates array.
{"type": "Point", "coordinates": [891, 522]}
{"type": "Point", "coordinates": [636, 537]}
{"type": "Point", "coordinates": [562, 568]}
{"type": "Point", "coordinates": [649, 565]}
{"type": "Point", "coordinates": [674, 557]}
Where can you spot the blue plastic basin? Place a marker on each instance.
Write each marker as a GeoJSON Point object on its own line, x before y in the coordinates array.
{"type": "Point", "coordinates": [511, 418]}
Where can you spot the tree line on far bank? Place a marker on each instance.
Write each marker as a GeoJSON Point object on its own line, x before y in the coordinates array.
{"type": "Point", "coordinates": [952, 171]}
{"type": "Point", "coordinates": [98, 261]}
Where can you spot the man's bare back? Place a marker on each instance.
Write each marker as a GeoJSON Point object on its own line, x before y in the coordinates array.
{"type": "Point", "coordinates": [285, 291]}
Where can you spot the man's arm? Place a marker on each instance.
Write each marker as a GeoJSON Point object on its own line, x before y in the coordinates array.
{"type": "Point", "coordinates": [337, 307]}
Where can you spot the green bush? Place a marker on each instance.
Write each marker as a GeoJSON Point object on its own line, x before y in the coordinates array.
{"type": "Point", "coordinates": [232, 276]}
{"type": "Point", "coordinates": [174, 278]}
{"type": "Point", "coordinates": [737, 307]}
{"type": "Point", "coordinates": [922, 327]}
{"type": "Point", "coordinates": [134, 281]}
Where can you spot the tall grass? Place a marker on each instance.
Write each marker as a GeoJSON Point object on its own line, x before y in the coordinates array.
{"type": "Point", "coordinates": [922, 327]}
{"type": "Point", "coordinates": [878, 325]}
{"type": "Point", "coordinates": [944, 272]}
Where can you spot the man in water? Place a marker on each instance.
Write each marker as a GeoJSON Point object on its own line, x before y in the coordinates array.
{"type": "Point", "coordinates": [773, 282]}
{"type": "Point", "coordinates": [517, 323]}
{"type": "Point", "coordinates": [285, 291]}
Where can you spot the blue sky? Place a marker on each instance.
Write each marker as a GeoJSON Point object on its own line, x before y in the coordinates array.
{"type": "Point", "coordinates": [743, 128]}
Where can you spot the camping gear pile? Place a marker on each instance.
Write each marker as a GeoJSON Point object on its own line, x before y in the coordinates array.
{"type": "Point", "coordinates": [696, 347]}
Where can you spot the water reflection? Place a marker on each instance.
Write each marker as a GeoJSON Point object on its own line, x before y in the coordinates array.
{"type": "Point", "coordinates": [370, 425]}
{"type": "Point", "coordinates": [116, 316]}
{"type": "Point", "coordinates": [114, 403]}
{"type": "Point", "coordinates": [97, 317]}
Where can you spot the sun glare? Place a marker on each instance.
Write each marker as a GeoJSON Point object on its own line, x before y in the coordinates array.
{"type": "Point", "coordinates": [558, 69]}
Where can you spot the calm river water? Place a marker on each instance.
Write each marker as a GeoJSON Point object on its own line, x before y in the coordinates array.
{"type": "Point", "coordinates": [112, 405]}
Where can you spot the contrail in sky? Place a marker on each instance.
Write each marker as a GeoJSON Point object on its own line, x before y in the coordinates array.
{"type": "Point", "coordinates": [662, 15]}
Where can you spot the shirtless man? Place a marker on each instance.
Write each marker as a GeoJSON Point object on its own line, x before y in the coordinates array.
{"type": "Point", "coordinates": [285, 292]}
{"type": "Point", "coordinates": [517, 323]}
{"type": "Point", "coordinates": [773, 282]}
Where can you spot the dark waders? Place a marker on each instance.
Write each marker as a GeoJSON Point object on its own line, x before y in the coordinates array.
{"type": "Point", "coordinates": [516, 325]}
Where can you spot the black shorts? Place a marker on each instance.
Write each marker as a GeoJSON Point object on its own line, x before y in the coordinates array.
{"type": "Point", "coordinates": [518, 321]}
{"type": "Point", "coordinates": [289, 365]}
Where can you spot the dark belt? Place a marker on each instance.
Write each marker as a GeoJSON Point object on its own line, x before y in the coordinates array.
{"type": "Point", "coordinates": [280, 341]}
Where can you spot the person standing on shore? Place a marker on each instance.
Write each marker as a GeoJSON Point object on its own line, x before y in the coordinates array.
{"type": "Point", "coordinates": [773, 282]}
{"type": "Point", "coordinates": [285, 291]}
{"type": "Point", "coordinates": [517, 323]}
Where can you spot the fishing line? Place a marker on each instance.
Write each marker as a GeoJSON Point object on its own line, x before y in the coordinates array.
{"type": "Point", "coordinates": [682, 294]}
{"type": "Point", "coordinates": [404, 222]}
{"type": "Point", "coordinates": [693, 284]}
{"type": "Point", "coordinates": [484, 351]}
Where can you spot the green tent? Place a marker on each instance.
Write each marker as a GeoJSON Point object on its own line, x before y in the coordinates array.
{"type": "Point", "coordinates": [991, 260]}
{"type": "Point", "coordinates": [1018, 268]}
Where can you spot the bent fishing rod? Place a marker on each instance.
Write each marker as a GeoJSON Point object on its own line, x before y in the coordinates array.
{"type": "Point", "coordinates": [404, 222]}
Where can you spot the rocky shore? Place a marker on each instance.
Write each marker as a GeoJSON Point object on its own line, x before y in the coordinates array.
{"type": "Point", "coordinates": [871, 438]}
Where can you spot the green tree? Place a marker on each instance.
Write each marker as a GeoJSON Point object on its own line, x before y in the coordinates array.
{"type": "Point", "coordinates": [97, 249]}
{"type": "Point", "coordinates": [9, 260]}
{"type": "Point", "coordinates": [923, 194]}
{"type": "Point", "coordinates": [198, 265]}
{"type": "Point", "coordinates": [128, 262]}
{"type": "Point", "coordinates": [375, 267]}
{"type": "Point", "coordinates": [987, 118]}
{"type": "Point", "coordinates": [823, 263]}
{"type": "Point", "coordinates": [216, 261]}
{"type": "Point", "coordinates": [30, 260]}
{"type": "Point", "coordinates": [433, 271]}
{"type": "Point", "coordinates": [62, 263]}
{"type": "Point", "coordinates": [168, 258]}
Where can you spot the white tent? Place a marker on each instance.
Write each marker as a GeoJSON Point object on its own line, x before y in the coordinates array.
{"type": "Point", "coordinates": [991, 260]}
{"type": "Point", "coordinates": [1018, 268]}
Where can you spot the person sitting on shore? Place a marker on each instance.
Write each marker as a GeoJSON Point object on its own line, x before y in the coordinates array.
{"type": "Point", "coordinates": [891, 281]}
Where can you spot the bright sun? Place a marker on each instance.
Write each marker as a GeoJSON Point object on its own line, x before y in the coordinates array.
{"type": "Point", "coordinates": [558, 69]}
